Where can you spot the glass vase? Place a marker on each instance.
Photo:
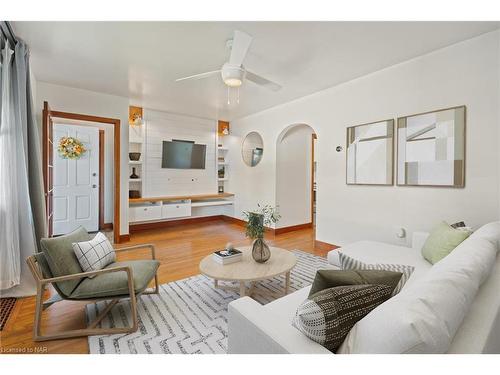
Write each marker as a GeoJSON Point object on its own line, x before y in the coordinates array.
{"type": "Point", "coordinates": [260, 251]}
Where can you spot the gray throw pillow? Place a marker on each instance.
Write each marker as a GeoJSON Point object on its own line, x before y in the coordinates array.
{"type": "Point", "coordinates": [328, 316]}
{"type": "Point", "coordinates": [348, 263]}
{"type": "Point", "coordinates": [325, 279]}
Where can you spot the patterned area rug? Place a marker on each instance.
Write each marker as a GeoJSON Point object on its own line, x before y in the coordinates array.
{"type": "Point", "coordinates": [6, 307]}
{"type": "Point", "coordinates": [188, 316]}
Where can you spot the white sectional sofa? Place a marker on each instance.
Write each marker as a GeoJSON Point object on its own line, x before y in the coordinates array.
{"type": "Point", "coordinates": [450, 307]}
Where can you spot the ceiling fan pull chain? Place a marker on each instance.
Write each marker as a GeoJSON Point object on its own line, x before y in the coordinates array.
{"type": "Point", "coordinates": [228, 100]}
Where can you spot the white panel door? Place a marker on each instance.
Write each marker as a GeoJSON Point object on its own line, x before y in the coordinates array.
{"type": "Point", "coordinates": [76, 182]}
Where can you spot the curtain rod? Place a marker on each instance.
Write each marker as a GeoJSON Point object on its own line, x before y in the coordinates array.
{"type": "Point", "coordinates": [8, 33]}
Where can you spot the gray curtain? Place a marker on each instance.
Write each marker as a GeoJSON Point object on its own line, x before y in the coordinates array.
{"type": "Point", "coordinates": [22, 204]}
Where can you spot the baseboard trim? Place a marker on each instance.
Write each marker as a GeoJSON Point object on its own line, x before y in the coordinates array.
{"type": "Point", "coordinates": [106, 226]}
{"type": "Point", "coordinates": [293, 228]}
{"type": "Point", "coordinates": [324, 246]}
{"type": "Point", "coordinates": [133, 228]}
{"type": "Point", "coordinates": [242, 223]}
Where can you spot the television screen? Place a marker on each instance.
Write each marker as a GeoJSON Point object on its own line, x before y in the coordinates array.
{"type": "Point", "coordinates": [183, 155]}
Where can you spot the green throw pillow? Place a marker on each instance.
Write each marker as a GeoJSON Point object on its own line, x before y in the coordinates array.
{"type": "Point", "coordinates": [441, 241]}
{"type": "Point", "coordinates": [325, 279]}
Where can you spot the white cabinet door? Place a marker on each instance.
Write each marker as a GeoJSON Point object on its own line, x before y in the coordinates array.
{"type": "Point", "coordinates": [144, 213]}
{"type": "Point", "coordinates": [76, 182]}
{"type": "Point", "coordinates": [173, 210]}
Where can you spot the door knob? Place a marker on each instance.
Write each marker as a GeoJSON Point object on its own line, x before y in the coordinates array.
{"type": "Point", "coordinates": [94, 186]}
{"type": "Point", "coordinates": [94, 174]}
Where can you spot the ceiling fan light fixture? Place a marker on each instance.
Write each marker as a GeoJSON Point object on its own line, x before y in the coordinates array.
{"type": "Point", "coordinates": [232, 75]}
{"type": "Point", "coordinates": [233, 82]}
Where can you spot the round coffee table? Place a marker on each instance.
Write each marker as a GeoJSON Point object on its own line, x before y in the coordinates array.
{"type": "Point", "coordinates": [247, 270]}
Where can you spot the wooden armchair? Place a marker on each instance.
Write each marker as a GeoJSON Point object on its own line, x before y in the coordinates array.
{"type": "Point", "coordinates": [56, 265]}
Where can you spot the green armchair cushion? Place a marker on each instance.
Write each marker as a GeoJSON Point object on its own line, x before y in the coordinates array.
{"type": "Point", "coordinates": [116, 283]}
{"type": "Point", "coordinates": [61, 258]}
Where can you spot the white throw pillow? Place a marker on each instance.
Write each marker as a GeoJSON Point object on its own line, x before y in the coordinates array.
{"type": "Point", "coordinates": [425, 317]}
{"type": "Point", "coordinates": [348, 263]}
{"type": "Point", "coordinates": [95, 254]}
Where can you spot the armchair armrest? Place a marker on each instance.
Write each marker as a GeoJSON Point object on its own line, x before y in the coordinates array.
{"type": "Point", "coordinates": [80, 275]}
{"type": "Point", "coordinates": [141, 246]}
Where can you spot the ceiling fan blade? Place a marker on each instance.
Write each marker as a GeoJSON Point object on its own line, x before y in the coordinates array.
{"type": "Point", "coordinates": [262, 81]}
{"type": "Point", "coordinates": [198, 76]}
{"type": "Point", "coordinates": [241, 43]}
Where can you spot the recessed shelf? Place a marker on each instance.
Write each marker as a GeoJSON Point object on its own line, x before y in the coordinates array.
{"type": "Point", "coordinates": [135, 162]}
{"type": "Point", "coordinates": [223, 179]}
{"type": "Point", "coordinates": [211, 203]}
{"type": "Point", "coordinates": [134, 180]}
{"type": "Point", "coordinates": [222, 149]}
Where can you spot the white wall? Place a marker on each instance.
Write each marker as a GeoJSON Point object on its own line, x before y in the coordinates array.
{"type": "Point", "coordinates": [163, 126]}
{"type": "Point", "coordinates": [293, 176]}
{"type": "Point", "coordinates": [465, 73]}
{"type": "Point", "coordinates": [68, 99]}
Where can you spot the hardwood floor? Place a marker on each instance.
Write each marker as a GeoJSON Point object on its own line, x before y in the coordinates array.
{"type": "Point", "coordinates": [179, 250]}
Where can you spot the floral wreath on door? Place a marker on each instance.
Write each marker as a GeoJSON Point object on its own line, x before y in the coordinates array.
{"type": "Point", "coordinates": [71, 148]}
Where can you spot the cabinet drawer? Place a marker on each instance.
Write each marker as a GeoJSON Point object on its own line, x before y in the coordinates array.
{"type": "Point", "coordinates": [172, 210]}
{"type": "Point", "coordinates": [144, 213]}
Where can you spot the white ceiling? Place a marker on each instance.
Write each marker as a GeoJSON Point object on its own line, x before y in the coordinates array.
{"type": "Point", "coordinates": [141, 60]}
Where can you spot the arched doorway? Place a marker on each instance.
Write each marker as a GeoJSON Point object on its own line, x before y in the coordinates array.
{"type": "Point", "coordinates": [295, 176]}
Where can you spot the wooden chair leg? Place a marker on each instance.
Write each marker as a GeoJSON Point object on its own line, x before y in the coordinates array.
{"type": "Point", "coordinates": [37, 329]}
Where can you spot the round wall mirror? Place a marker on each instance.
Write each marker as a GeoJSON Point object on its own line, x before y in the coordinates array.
{"type": "Point", "coordinates": [252, 149]}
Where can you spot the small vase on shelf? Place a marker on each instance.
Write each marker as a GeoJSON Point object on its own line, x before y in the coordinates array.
{"type": "Point", "coordinates": [133, 175]}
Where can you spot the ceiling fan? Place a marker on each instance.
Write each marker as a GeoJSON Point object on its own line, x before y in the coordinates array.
{"type": "Point", "coordinates": [233, 72]}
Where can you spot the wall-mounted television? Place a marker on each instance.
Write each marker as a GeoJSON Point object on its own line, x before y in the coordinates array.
{"type": "Point", "coordinates": [179, 154]}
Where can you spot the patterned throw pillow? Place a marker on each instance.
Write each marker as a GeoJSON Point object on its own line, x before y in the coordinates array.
{"type": "Point", "coordinates": [95, 254]}
{"type": "Point", "coordinates": [348, 263]}
{"type": "Point", "coordinates": [328, 316]}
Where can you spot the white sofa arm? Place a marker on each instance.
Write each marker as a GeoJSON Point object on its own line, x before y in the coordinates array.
{"type": "Point", "coordinates": [254, 330]}
{"type": "Point", "coordinates": [418, 240]}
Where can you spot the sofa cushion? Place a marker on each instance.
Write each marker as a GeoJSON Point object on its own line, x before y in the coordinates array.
{"type": "Point", "coordinates": [61, 258]}
{"type": "Point", "coordinates": [95, 254]}
{"type": "Point", "coordinates": [325, 279]}
{"type": "Point", "coordinates": [441, 241]}
{"type": "Point", "coordinates": [425, 316]}
{"type": "Point", "coordinates": [116, 283]}
{"type": "Point", "coordinates": [348, 263]}
{"type": "Point", "coordinates": [327, 316]}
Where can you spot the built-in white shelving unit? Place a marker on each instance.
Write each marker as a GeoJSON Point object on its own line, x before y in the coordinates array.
{"type": "Point", "coordinates": [136, 144]}
{"type": "Point", "coordinates": [167, 195]}
{"type": "Point", "coordinates": [222, 164]}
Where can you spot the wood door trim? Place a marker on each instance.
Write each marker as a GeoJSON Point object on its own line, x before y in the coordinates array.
{"type": "Point", "coordinates": [101, 179]}
{"type": "Point", "coordinates": [116, 130]}
{"type": "Point", "coordinates": [47, 165]}
{"type": "Point", "coordinates": [313, 138]}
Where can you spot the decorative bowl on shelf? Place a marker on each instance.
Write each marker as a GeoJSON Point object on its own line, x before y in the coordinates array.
{"type": "Point", "coordinates": [134, 194]}
{"type": "Point", "coordinates": [134, 156]}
